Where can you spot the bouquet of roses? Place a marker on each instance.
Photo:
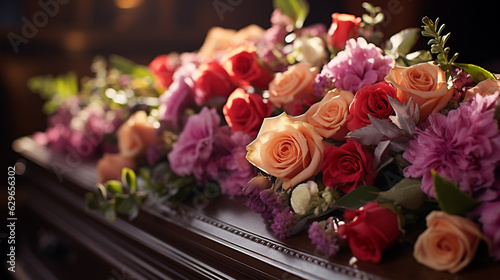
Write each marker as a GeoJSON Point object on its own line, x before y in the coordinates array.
{"type": "Point", "coordinates": [328, 129]}
{"type": "Point", "coordinates": [394, 137]}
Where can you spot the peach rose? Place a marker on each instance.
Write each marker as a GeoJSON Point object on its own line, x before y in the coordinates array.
{"type": "Point", "coordinates": [136, 134]}
{"type": "Point", "coordinates": [449, 243]}
{"type": "Point", "coordinates": [291, 151]}
{"type": "Point", "coordinates": [221, 39]}
{"type": "Point", "coordinates": [484, 88]}
{"type": "Point", "coordinates": [425, 83]}
{"type": "Point", "coordinates": [330, 114]}
{"type": "Point", "coordinates": [109, 167]}
{"type": "Point", "coordinates": [293, 85]}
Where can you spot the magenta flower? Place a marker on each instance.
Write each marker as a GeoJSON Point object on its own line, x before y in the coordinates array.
{"type": "Point", "coordinates": [233, 170]}
{"type": "Point", "coordinates": [490, 218]}
{"type": "Point", "coordinates": [192, 151]}
{"type": "Point", "coordinates": [463, 147]}
{"type": "Point", "coordinates": [360, 64]}
{"type": "Point", "coordinates": [178, 97]}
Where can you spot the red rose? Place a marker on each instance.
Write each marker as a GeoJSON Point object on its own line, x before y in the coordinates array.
{"type": "Point", "coordinates": [370, 100]}
{"type": "Point", "coordinates": [343, 28]}
{"type": "Point", "coordinates": [163, 69]}
{"type": "Point", "coordinates": [245, 111]}
{"type": "Point", "coordinates": [373, 229]}
{"type": "Point", "coordinates": [213, 83]}
{"type": "Point", "coordinates": [348, 166]}
{"type": "Point", "coordinates": [243, 66]}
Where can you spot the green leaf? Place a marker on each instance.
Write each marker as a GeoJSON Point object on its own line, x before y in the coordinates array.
{"type": "Point", "coordinates": [358, 197]}
{"type": "Point", "coordinates": [451, 199]}
{"type": "Point", "coordinates": [477, 73]}
{"type": "Point", "coordinates": [129, 179]}
{"type": "Point", "coordinates": [402, 42]}
{"type": "Point", "coordinates": [406, 193]}
{"type": "Point", "coordinates": [114, 187]}
{"type": "Point", "coordinates": [127, 66]}
{"type": "Point", "coordinates": [124, 205]}
{"type": "Point", "coordinates": [101, 193]}
{"type": "Point", "coordinates": [90, 201]}
{"type": "Point", "coordinates": [296, 10]}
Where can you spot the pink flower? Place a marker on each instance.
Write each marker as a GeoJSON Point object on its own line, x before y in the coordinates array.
{"type": "Point", "coordinates": [194, 147]}
{"type": "Point", "coordinates": [462, 147]}
{"type": "Point", "coordinates": [360, 64]}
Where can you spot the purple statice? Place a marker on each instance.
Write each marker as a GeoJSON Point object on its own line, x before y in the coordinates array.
{"type": "Point", "coordinates": [462, 147]}
{"type": "Point", "coordinates": [462, 81]}
{"type": "Point", "coordinates": [324, 236]}
{"type": "Point", "coordinates": [273, 202]}
{"type": "Point", "coordinates": [178, 97]}
{"type": "Point", "coordinates": [360, 64]}
{"type": "Point", "coordinates": [252, 192]}
{"type": "Point", "coordinates": [283, 222]}
{"type": "Point", "coordinates": [191, 153]}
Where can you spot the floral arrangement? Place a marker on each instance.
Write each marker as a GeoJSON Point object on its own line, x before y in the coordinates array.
{"type": "Point", "coordinates": [329, 131]}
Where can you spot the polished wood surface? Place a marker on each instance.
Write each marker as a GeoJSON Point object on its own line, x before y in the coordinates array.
{"type": "Point", "coordinates": [214, 239]}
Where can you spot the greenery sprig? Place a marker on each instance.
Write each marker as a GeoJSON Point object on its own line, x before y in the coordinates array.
{"type": "Point", "coordinates": [438, 42]}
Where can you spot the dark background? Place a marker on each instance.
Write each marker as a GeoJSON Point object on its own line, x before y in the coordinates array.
{"type": "Point", "coordinates": [82, 29]}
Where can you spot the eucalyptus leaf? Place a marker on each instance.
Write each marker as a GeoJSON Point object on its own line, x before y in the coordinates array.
{"type": "Point", "coordinates": [358, 197]}
{"type": "Point", "coordinates": [477, 73]}
{"type": "Point", "coordinates": [406, 193]}
{"type": "Point", "coordinates": [451, 199]}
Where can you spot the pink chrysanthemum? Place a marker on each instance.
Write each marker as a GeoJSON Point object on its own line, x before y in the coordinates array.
{"type": "Point", "coordinates": [360, 64]}
{"type": "Point", "coordinates": [463, 147]}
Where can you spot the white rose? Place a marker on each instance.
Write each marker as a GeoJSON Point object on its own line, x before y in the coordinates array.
{"type": "Point", "coordinates": [310, 50]}
{"type": "Point", "coordinates": [303, 196]}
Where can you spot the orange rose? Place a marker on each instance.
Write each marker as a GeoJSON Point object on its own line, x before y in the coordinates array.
{"type": "Point", "coordinates": [291, 151]}
{"type": "Point", "coordinates": [484, 88]}
{"type": "Point", "coordinates": [221, 39]}
{"type": "Point", "coordinates": [136, 134]}
{"type": "Point", "coordinates": [425, 83]}
{"type": "Point", "coordinates": [449, 243]}
{"type": "Point", "coordinates": [109, 167]}
{"type": "Point", "coordinates": [330, 114]}
{"type": "Point", "coordinates": [293, 85]}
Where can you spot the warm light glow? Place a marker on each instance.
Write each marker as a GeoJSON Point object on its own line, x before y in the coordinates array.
{"type": "Point", "coordinates": [128, 4]}
{"type": "Point", "coordinates": [75, 41]}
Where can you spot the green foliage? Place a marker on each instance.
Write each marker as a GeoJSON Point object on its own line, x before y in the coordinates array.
{"type": "Point", "coordinates": [406, 193]}
{"type": "Point", "coordinates": [451, 199]}
{"type": "Point", "coordinates": [118, 197]}
{"type": "Point", "coordinates": [400, 45]}
{"type": "Point", "coordinates": [55, 90]}
{"type": "Point", "coordinates": [477, 73]}
{"type": "Point", "coordinates": [438, 42]}
{"type": "Point", "coordinates": [127, 66]}
{"type": "Point", "coordinates": [296, 10]}
{"type": "Point", "coordinates": [358, 197]}
{"type": "Point", "coordinates": [373, 17]}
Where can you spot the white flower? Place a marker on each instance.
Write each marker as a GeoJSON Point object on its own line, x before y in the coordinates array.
{"type": "Point", "coordinates": [310, 50]}
{"type": "Point", "coordinates": [303, 196]}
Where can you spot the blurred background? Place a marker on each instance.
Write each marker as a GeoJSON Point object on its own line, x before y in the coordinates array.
{"type": "Point", "coordinates": [65, 35]}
